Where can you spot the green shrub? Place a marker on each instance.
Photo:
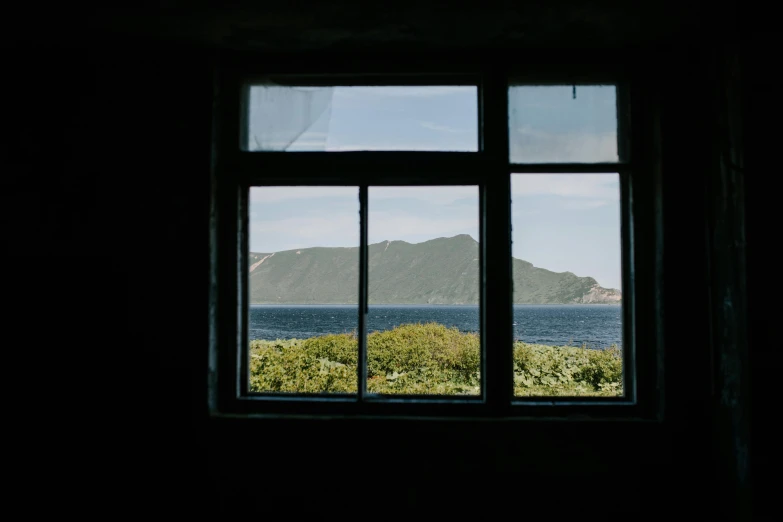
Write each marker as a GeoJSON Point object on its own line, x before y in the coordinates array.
{"type": "Point", "coordinates": [566, 370]}
{"type": "Point", "coordinates": [429, 358]}
{"type": "Point", "coordinates": [294, 368]}
{"type": "Point", "coordinates": [424, 353]}
{"type": "Point", "coordinates": [341, 348]}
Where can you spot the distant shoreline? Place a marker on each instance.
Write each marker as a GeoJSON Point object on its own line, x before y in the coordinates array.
{"type": "Point", "coordinates": [545, 324]}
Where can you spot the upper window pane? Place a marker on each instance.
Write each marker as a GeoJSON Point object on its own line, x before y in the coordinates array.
{"type": "Point", "coordinates": [427, 118]}
{"type": "Point", "coordinates": [563, 124]}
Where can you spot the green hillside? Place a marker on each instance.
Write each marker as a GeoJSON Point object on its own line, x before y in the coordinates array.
{"type": "Point", "coordinates": [439, 271]}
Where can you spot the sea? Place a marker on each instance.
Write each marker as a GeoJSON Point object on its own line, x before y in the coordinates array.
{"type": "Point", "coordinates": [597, 326]}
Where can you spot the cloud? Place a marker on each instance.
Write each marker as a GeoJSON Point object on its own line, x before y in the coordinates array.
{"type": "Point", "coordinates": [404, 91]}
{"type": "Point", "coordinates": [451, 147]}
{"type": "Point", "coordinates": [306, 145]}
{"type": "Point", "coordinates": [534, 146]}
{"type": "Point", "coordinates": [432, 195]}
{"type": "Point", "coordinates": [280, 194]}
{"type": "Point", "coordinates": [343, 230]}
{"type": "Point", "coordinates": [407, 227]}
{"type": "Point", "coordinates": [441, 128]}
{"type": "Point", "coordinates": [600, 188]}
{"type": "Point", "coordinates": [583, 204]}
{"type": "Point", "coordinates": [304, 232]}
{"type": "Point", "coordinates": [307, 227]}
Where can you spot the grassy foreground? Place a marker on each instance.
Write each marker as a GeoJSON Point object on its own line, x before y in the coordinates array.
{"type": "Point", "coordinates": [427, 359]}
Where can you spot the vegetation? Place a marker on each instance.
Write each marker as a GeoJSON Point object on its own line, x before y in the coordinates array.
{"type": "Point", "coordinates": [427, 359]}
{"type": "Point", "coordinates": [438, 271]}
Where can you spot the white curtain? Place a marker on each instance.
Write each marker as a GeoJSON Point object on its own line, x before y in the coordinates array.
{"type": "Point", "coordinates": [279, 116]}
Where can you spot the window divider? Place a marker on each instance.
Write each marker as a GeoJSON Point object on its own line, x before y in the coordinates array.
{"type": "Point", "coordinates": [395, 167]}
{"type": "Point", "coordinates": [363, 294]}
{"type": "Point", "coordinates": [495, 230]}
{"type": "Point", "coordinates": [568, 168]}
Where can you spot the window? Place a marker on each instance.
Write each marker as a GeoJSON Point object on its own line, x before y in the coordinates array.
{"type": "Point", "coordinates": [341, 199]}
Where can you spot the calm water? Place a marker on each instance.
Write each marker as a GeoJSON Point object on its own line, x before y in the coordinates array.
{"type": "Point", "coordinates": [597, 325]}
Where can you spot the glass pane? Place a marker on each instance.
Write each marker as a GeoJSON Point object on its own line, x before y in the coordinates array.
{"type": "Point", "coordinates": [304, 287]}
{"type": "Point", "coordinates": [567, 273]}
{"type": "Point", "coordinates": [423, 323]}
{"type": "Point", "coordinates": [562, 124]}
{"type": "Point", "coordinates": [433, 118]}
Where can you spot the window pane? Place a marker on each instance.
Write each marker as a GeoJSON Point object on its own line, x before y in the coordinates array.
{"type": "Point", "coordinates": [423, 324]}
{"type": "Point", "coordinates": [562, 124]}
{"type": "Point", "coordinates": [433, 118]}
{"type": "Point", "coordinates": [567, 276]}
{"type": "Point", "coordinates": [304, 287]}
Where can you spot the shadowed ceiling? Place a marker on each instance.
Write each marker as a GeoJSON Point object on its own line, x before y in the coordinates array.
{"type": "Point", "coordinates": [345, 25]}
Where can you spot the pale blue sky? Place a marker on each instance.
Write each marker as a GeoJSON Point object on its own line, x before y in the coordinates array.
{"type": "Point", "coordinates": [561, 222]}
{"type": "Point", "coordinates": [364, 118]}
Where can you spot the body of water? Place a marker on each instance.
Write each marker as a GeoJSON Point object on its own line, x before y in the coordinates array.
{"type": "Point", "coordinates": [598, 326]}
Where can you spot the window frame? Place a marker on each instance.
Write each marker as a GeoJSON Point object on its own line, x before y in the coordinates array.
{"type": "Point", "coordinates": [235, 170]}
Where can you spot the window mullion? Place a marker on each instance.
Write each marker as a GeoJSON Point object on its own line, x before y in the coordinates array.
{"type": "Point", "coordinates": [396, 168]}
{"type": "Point", "coordinates": [363, 282]}
{"type": "Point", "coordinates": [496, 309]}
{"type": "Point", "coordinates": [569, 168]}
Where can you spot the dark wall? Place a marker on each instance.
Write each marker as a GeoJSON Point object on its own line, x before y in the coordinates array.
{"type": "Point", "coordinates": [763, 215]}
{"type": "Point", "coordinates": [105, 189]}
{"type": "Point", "coordinates": [106, 186]}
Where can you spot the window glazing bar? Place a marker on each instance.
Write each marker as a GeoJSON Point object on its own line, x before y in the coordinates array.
{"type": "Point", "coordinates": [496, 310]}
{"type": "Point", "coordinates": [363, 306]}
{"type": "Point", "coordinates": [569, 168]}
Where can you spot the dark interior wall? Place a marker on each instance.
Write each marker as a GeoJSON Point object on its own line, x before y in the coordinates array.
{"type": "Point", "coordinates": [763, 219]}
{"type": "Point", "coordinates": [107, 180]}
{"type": "Point", "coordinates": [105, 188]}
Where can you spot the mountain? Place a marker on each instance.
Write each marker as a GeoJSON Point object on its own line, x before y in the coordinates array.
{"type": "Point", "coordinates": [439, 271]}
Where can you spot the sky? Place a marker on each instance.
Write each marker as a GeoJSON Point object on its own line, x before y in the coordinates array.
{"type": "Point", "coordinates": [561, 222]}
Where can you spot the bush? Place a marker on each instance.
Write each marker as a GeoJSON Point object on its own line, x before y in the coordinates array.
{"type": "Point", "coordinates": [566, 370]}
{"type": "Point", "coordinates": [295, 368]}
{"type": "Point", "coordinates": [429, 358]}
{"type": "Point", "coordinates": [424, 353]}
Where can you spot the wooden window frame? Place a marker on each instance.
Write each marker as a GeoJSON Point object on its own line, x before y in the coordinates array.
{"type": "Point", "coordinates": [234, 171]}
